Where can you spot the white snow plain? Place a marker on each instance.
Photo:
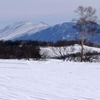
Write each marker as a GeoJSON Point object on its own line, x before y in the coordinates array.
{"type": "Point", "coordinates": [49, 80]}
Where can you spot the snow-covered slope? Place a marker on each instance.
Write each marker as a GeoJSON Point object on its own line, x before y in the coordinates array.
{"type": "Point", "coordinates": [21, 28]}
{"type": "Point", "coordinates": [43, 32]}
{"type": "Point", "coordinates": [64, 31]}
{"type": "Point", "coordinates": [50, 52]}
{"type": "Point", "coordinates": [49, 80]}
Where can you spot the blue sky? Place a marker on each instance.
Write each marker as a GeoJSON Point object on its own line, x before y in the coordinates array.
{"type": "Point", "coordinates": [48, 11]}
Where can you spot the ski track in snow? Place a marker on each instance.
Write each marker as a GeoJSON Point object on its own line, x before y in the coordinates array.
{"type": "Point", "coordinates": [49, 80]}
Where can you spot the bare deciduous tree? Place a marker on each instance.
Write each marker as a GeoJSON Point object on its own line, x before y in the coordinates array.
{"type": "Point", "coordinates": [62, 51]}
{"type": "Point", "coordinates": [86, 24]}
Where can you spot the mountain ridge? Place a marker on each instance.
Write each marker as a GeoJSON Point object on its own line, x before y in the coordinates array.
{"type": "Point", "coordinates": [43, 32]}
{"type": "Point", "coordinates": [20, 28]}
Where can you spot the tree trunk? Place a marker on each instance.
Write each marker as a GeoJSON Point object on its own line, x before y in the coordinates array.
{"type": "Point", "coordinates": [82, 46]}
{"type": "Point", "coordinates": [82, 50]}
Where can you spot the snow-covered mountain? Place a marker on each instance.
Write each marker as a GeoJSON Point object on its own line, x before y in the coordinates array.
{"type": "Point", "coordinates": [43, 32]}
{"type": "Point", "coordinates": [57, 32]}
{"type": "Point", "coordinates": [64, 31]}
{"type": "Point", "coordinates": [20, 28]}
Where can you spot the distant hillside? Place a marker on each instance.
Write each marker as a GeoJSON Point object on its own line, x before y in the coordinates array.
{"type": "Point", "coordinates": [65, 31]}
{"type": "Point", "coordinates": [43, 32]}
{"type": "Point", "coordinates": [58, 32]}
{"type": "Point", "coordinates": [19, 29]}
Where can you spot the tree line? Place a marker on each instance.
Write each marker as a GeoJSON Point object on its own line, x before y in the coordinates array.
{"type": "Point", "coordinates": [31, 49]}
{"type": "Point", "coordinates": [19, 50]}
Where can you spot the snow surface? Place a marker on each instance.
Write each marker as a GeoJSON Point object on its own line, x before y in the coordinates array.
{"type": "Point", "coordinates": [55, 51]}
{"type": "Point", "coordinates": [21, 28]}
{"type": "Point", "coordinates": [49, 80]}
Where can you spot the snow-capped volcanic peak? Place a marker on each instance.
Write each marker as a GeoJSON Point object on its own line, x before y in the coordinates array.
{"type": "Point", "coordinates": [20, 28]}
{"type": "Point", "coordinates": [41, 24]}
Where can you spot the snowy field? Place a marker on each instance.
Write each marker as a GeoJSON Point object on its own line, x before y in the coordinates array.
{"type": "Point", "coordinates": [55, 51]}
{"type": "Point", "coordinates": [49, 80]}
